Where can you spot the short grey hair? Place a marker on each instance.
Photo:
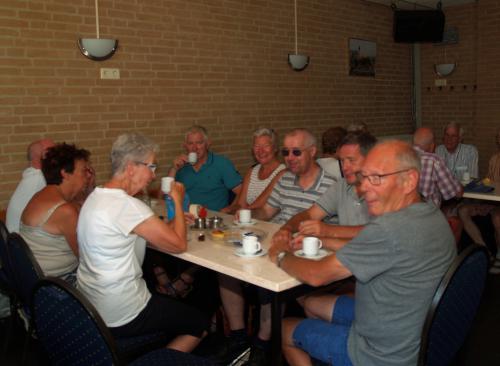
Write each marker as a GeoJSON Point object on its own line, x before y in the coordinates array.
{"type": "Point", "coordinates": [130, 147]}
{"type": "Point", "coordinates": [310, 138]}
{"type": "Point", "coordinates": [269, 132]}
{"type": "Point", "coordinates": [406, 156]}
{"type": "Point", "coordinates": [197, 129]}
{"type": "Point", "coordinates": [457, 126]}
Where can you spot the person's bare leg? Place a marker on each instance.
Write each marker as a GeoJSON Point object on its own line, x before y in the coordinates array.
{"type": "Point", "coordinates": [232, 300]}
{"type": "Point", "coordinates": [293, 355]}
{"type": "Point", "coordinates": [320, 307]}
{"type": "Point", "coordinates": [185, 343]}
{"type": "Point", "coordinates": [466, 212]}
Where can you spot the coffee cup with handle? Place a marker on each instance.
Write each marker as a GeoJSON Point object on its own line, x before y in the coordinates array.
{"type": "Point", "coordinates": [192, 158]}
{"type": "Point", "coordinates": [166, 184]}
{"type": "Point", "coordinates": [251, 244]}
{"type": "Point", "coordinates": [311, 246]}
{"type": "Point", "coordinates": [245, 216]}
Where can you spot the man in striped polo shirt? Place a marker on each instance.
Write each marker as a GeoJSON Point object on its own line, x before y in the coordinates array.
{"type": "Point", "coordinates": [298, 189]}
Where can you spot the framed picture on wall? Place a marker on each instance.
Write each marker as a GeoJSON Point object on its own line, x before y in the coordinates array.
{"type": "Point", "coordinates": [362, 56]}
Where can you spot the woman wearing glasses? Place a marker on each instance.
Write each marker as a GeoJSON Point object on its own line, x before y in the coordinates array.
{"type": "Point", "coordinates": [260, 179]}
{"type": "Point", "coordinates": [113, 228]}
{"type": "Point", "coordinates": [48, 224]}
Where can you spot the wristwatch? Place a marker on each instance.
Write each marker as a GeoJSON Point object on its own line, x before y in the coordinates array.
{"type": "Point", "coordinates": [280, 256]}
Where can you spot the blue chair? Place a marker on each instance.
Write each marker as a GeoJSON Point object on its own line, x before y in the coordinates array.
{"type": "Point", "coordinates": [25, 274]}
{"type": "Point", "coordinates": [454, 307]}
{"type": "Point", "coordinates": [73, 333]}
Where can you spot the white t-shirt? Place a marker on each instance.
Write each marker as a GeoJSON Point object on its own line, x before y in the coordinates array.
{"type": "Point", "coordinates": [332, 167]}
{"type": "Point", "coordinates": [111, 256]}
{"type": "Point", "coordinates": [32, 182]}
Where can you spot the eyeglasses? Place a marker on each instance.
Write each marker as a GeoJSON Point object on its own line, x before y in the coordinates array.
{"type": "Point", "coordinates": [296, 152]}
{"type": "Point", "coordinates": [151, 167]}
{"type": "Point", "coordinates": [375, 179]}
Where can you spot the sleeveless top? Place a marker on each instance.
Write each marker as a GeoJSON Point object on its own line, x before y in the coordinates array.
{"type": "Point", "coordinates": [53, 253]}
{"type": "Point", "coordinates": [256, 185]}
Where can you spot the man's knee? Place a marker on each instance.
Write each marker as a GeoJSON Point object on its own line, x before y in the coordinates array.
{"type": "Point", "coordinates": [288, 326]}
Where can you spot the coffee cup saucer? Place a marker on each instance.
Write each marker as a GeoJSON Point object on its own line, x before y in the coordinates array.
{"type": "Point", "coordinates": [240, 253]}
{"type": "Point", "coordinates": [321, 254]}
{"type": "Point", "coordinates": [239, 223]}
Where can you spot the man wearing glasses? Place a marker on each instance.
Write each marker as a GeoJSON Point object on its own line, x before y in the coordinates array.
{"type": "Point", "coordinates": [303, 183]}
{"type": "Point", "coordinates": [341, 199]}
{"type": "Point", "coordinates": [398, 260]}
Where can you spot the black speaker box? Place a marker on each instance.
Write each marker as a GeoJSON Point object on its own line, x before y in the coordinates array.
{"type": "Point", "coordinates": [418, 26]}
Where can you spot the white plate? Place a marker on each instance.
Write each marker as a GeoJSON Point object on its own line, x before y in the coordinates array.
{"type": "Point", "coordinates": [252, 222]}
{"type": "Point", "coordinates": [240, 253]}
{"type": "Point", "coordinates": [321, 254]}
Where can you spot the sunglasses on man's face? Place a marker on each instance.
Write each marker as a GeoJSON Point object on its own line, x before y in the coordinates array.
{"type": "Point", "coordinates": [295, 152]}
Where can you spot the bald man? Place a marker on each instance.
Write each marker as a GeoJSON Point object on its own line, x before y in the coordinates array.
{"type": "Point", "coordinates": [398, 260]}
{"type": "Point", "coordinates": [436, 180]}
{"type": "Point", "coordinates": [31, 182]}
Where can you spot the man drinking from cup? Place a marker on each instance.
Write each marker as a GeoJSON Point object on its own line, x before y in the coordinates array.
{"type": "Point", "coordinates": [208, 177]}
{"type": "Point", "coordinates": [398, 260]}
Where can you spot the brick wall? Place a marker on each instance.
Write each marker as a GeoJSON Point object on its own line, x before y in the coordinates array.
{"type": "Point", "coordinates": [217, 63]}
{"type": "Point", "coordinates": [472, 94]}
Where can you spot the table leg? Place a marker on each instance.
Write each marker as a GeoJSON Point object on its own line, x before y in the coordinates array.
{"type": "Point", "coordinates": [276, 357]}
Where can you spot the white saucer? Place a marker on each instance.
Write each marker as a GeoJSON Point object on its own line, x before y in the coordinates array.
{"type": "Point", "coordinates": [321, 254]}
{"type": "Point", "coordinates": [240, 253]}
{"type": "Point", "coordinates": [252, 222]}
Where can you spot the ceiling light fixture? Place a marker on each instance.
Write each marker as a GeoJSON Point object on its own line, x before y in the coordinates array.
{"type": "Point", "coordinates": [296, 61]}
{"type": "Point", "coordinates": [97, 49]}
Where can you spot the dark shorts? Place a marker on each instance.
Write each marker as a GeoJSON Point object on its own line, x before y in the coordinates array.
{"type": "Point", "coordinates": [164, 314]}
{"type": "Point", "coordinates": [325, 341]}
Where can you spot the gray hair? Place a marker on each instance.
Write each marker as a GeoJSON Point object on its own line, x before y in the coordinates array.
{"type": "Point", "coordinates": [269, 132]}
{"type": "Point", "coordinates": [457, 126]}
{"type": "Point", "coordinates": [130, 147]}
{"type": "Point", "coordinates": [406, 156]}
{"type": "Point", "coordinates": [197, 129]}
{"type": "Point", "coordinates": [310, 139]}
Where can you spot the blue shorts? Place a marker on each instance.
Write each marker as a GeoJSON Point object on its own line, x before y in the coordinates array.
{"type": "Point", "coordinates": [324, 341]}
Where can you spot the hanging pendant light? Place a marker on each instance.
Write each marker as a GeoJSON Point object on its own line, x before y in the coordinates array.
{"type": "Point", "coordinates": [297, 62]}
{"type": "Point", "coordinates": [97, 49]}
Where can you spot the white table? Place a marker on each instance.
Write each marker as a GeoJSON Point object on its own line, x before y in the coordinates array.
{"type": "Point", "coordinates": [219, 256]}
{"type": "Point", "coordinates": [491, 196]}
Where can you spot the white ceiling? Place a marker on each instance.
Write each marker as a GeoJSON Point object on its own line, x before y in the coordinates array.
{"type": "Point", "coordinates": [413, 4]}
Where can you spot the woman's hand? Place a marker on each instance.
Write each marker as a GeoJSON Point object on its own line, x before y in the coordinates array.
{"type": "Point", "coordinates": [177, 192]}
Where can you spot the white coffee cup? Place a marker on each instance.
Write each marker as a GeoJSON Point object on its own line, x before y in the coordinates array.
{"type": "Point", "coordinates": [466, 177]}
{"type": "Point", "coordinates": [166, 184]}
{"type": "Point", "coordinates": [245, 216]}
{"type": "Point", "coordinates": [311, 246]}
{"type": "Point", "coordinates": [192, 158]}
{"type": "Point", "coordinates": [251, 244]}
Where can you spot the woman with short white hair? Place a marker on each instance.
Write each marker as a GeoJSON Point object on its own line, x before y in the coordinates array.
{"type": "Point", "coordinates": [113, 229]}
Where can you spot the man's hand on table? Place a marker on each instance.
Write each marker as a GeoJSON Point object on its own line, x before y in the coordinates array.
{"type": "Point", "coordinates": [276, 248]}
{"type": "Point", "coordinates": [312, 228]}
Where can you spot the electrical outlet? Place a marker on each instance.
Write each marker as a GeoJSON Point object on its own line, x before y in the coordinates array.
{"type": "Point", "coordinates": [440, 82]}
{"type": "Point", "coordinates": [107, 73]}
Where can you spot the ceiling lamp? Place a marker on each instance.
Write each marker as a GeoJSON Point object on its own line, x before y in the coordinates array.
{"type": "Point", "coordinates": [296, 61]}
{"type": "Point", "coordinates": [97, 49]}
{"type": "Point", "coordinates": [444, 69]}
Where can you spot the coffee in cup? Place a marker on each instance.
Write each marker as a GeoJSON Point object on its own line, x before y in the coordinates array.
{"type": "Point", "coordinates": [192, 158]}
{"type": "Point", "coordinates": [251, 244]}
{"type": "Point", "coordinates": [245, 216]}
{"type": "Point", "coordinates": [166, 184]}
{"type": "Point", "coordinates": [311, 246]}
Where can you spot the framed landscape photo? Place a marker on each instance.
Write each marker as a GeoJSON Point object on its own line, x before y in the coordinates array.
{"type": "Point", "coordinates": [362, 56]}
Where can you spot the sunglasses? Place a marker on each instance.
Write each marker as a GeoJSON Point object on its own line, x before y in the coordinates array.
{"type": "Point", "coordinates": [295, 152]}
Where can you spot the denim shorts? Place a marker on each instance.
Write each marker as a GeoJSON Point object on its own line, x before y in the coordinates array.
{"type": "Point", "coordinates": [325, 341]}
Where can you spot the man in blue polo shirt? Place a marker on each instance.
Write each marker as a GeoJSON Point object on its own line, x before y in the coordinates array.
{"type": "Point", "coordinates": [210, 179]}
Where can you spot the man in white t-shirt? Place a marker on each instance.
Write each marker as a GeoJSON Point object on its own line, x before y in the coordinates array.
{"type": "Point", "coordinates": [31, 182]}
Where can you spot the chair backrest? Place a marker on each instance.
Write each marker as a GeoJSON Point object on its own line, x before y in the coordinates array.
{"type": "Point", "coordinates": [454, 307]}
{"type": "Point", "coordinates": [69, 327]}
{"type": "Point", "coordinates": [5, 267]}
{"type": "Point", "coordinates": [26, 271]}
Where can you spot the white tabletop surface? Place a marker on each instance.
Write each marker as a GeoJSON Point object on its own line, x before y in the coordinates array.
{"type": "Point", "coordinates": [219, 256]}
{"type": "Point", "coordinates": [491, 196]}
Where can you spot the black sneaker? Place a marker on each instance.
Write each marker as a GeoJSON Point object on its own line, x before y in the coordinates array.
{"type": "Point", "coordinates": [229, 351]}
{"type": "Point", "coordinates": [258, 357]}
